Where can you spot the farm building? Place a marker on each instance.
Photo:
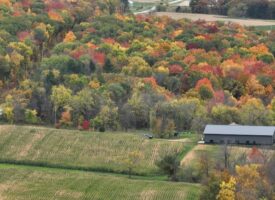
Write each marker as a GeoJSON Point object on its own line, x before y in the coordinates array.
{"type": "Point", "coordinates": [237, 134]}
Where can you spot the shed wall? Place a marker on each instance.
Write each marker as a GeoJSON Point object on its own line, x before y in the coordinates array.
{"type": "Point", "coordinates": [238, 139]}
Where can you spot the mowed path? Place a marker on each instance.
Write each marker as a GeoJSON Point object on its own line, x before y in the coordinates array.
{"type": "Point", "coordinates": [190, 156]}
{"type": "Point", "coordinates": [194, 17]}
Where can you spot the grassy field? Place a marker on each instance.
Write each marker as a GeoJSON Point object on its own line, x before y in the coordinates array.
{"type": "Point", "coordinates": [83, 150]}
{"type": "Point", "coordinates": [194, 17]}
{"type": "Point", "coordinates": [140, 6]}
{"type": "Point", "coordinates": [265, 28]}
{"type": "Point", "coordinates": [32, 183]}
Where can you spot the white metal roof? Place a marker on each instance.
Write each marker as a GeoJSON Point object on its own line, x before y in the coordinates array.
{"type": "Point", "coordinates": [239, 130]}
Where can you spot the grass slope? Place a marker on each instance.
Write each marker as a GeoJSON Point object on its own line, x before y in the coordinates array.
{"type": "Point", "coordinates": [32, 183]}
{"type": "Point", "coordinates": [75, 149]}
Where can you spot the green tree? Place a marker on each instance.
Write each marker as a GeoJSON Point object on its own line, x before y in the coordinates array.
{"type": "Point", "coordinates": [222, 114]}
{"type": "Point", "coordinates": [31, 116]}
{"type": "Point", "coordinates": [108, 116]}
{"type": "Point", "coordinates": [238, 10]}
{"type": "Point", "coordinates": [137, 66]}
{"type": "Point", "coordinates": [160, 120]}
{"type": "Point", "coordinates": [60, 97]}
{"type": "Point", "coordinates": [253, 112]}
{"type": "Point", "coordinates": [205, 92]}
{"type": "Point", "coordinates": [169, 164]}
{"type": "Point", "coordinates": [83, 103]}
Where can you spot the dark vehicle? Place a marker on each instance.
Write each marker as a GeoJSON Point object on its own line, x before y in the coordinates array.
{"type": "Point", "coordinates": [148, 136]}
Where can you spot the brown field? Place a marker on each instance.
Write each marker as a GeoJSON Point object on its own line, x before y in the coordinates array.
{"type": "Point", "coordinates": [194, 17]}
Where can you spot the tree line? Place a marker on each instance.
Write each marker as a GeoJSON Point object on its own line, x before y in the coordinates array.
{"type": "Point", "coordinates": [260, 9]}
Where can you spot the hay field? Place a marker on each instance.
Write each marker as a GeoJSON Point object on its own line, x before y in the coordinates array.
{"type": "Point", "coordinates": [32, 183]}
{"type": "Point", "coordinates": [75, 149]}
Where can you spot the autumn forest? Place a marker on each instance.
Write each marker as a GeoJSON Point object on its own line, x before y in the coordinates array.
{"type": "Point", "coordinates": [92, 66]}
{"type": "Point", "coordinates": [86, 85]}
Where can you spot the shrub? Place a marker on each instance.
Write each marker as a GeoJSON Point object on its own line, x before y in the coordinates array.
{"type": "Point", "coordinates": [266, 58]}
{"type": "Point", "coordinates": [205, 92]}
{"type": "Point", "coordinates": [8, 114]}
{"type": "Point", "coordinates": [169, 164]}
{"type": "Point", "coordinates": [190, 173]}
{"type": "Point", "coordinates": [97, 124]}
{"type": "Point", "coordinates": [85, 125]}
{"type": "Point", "coordinates": [239, 10]}
{"type": "Point", "coordinates": [31, 116]}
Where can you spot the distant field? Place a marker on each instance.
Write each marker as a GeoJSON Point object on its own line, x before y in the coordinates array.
{"type": "Point", "coordinates": [146, 5]}
{"type": "Point", "coordinates": [146, 1]}
{"type": "Point", "coordinates": [244, 22]}
{"type": "Point", "coordinates": [75, 149]}
{"type": "Point", "coordinates": [265, 28]}
{"type": "Point", "coordinates": [29, 183]}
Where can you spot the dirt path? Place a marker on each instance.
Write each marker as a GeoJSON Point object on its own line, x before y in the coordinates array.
{"type": "Point", "coordinates": [25, 150]}
{"type": "Point", "coordinates": [180, 140]}
{"type": "Point", "coordinates": [191, 154]}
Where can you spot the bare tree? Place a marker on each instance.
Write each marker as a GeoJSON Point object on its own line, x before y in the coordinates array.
{"type": "Point", "coordinates": [266, 153]}
{"type": "Point", "coordinates": [226, 154]}
{"type": "Point", "coordinates": [204, 163]}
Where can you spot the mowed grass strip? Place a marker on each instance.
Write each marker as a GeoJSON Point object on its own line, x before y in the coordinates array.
{"type": "Point", "coordinates": [32, 183]}
{"type": "Point", "coordinates": [76, 149]}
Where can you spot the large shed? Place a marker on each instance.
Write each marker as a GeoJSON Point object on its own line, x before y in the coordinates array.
{"type": "Point", "coordinates": [238, 134]}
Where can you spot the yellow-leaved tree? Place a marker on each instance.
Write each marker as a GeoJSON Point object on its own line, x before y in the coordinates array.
{"type": "Point", "coordinates": [227, 190]}
{"type": "Point", "coordinates": [60, 97]}
{"type": "Point", "coordinates": [248, 181]}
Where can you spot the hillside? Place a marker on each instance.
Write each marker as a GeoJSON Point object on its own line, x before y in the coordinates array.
{"type": "Point", "coordinates": [109, 71]}
{"type": "Point", "coordinates": [29, 183]}
{"type": "Point", "coordinates": [99, 103]}
{"type": "Point", "coordinates": [38, 162]}
{"type": "Point", "coordinates": [106, 152]}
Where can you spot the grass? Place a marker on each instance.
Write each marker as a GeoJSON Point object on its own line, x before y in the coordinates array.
{"type": "Point", "coordinates": [144, 5]}
{"type": "Point", "coordinates": [139, 6]}
{"type": "Point", "coordinates": [264, 28]}
{"type": "Point", "coordinates": [209, 17]}
{"type": "Point", "coordinates": [28, 183]}
{"type": "Point", "coordinates": [82, 150]}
